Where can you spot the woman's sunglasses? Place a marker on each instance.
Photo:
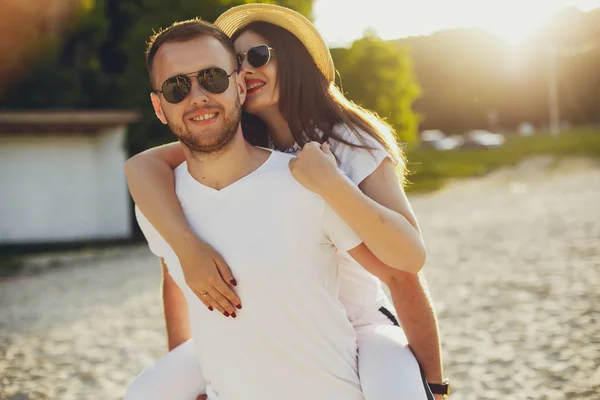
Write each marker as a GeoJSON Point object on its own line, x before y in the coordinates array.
{"type": "Point", "coordinates": [177, 88]}
{"type": "Point", "coordinates": [258, 56]}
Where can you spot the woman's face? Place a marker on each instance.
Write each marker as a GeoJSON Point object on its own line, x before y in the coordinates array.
{"type": "Point", "coordinates": [261, 82]}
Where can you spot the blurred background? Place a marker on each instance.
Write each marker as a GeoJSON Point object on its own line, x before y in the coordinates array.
{"type": "Point", "coordinates": [495, 102]}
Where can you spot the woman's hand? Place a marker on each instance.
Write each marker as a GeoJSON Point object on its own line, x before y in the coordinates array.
{"type": "Point", "coordinates": [315, 167]}
{"type": "Point", "coordinates": [209, 277]}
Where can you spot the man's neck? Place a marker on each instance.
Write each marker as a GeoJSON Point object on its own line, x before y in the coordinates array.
{"type": "Point", "coordinates": [220, 169]}
{"type": "Point", "coordinates": [278, 128]}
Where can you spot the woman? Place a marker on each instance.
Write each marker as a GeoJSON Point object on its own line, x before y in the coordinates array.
{"type": "Point", "coordinates": [289, 76]}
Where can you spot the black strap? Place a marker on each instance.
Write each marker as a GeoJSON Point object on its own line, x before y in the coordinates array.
{"type": "Point", "coordinates": [390, 316]}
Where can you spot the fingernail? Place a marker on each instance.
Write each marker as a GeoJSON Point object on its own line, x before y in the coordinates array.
{"type": "Point", "coordinates": [210, 308]}
{"type": "Point", "coordinates": [233, 315]}
{"type": "Point", "coordinates": [239, 306]}
{"type": "Point", "coordinates": [233, 282]}
{"type": "Point", "coordinates": [225, 313]}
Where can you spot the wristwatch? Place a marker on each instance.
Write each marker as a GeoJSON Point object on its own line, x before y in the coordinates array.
{"type": "Point", "coordinates": [441, 388]}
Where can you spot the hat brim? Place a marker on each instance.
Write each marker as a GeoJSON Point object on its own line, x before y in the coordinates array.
{"type": "Point", "coordinates": [238, 17]}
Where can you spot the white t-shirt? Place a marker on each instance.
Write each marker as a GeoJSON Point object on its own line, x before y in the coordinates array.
{"type": "Point", "coordinates": [361, 293]}
{"type": "Point", "coordinates": [292, 339]}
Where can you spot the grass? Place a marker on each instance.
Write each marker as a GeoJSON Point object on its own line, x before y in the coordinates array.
{"type": "Point", "coordinates": [431, 169]}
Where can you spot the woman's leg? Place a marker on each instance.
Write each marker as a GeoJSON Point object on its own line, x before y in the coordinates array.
{"type": "Point", "coordinates": [176, 376]}
{"type": "Point", "coordinates": [388, 369]}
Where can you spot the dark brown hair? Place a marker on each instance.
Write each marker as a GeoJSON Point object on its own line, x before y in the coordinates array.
{"type": "Point", "coordinates": [311, 105]}
{"type": "Point", "coordinates": [182, 32]}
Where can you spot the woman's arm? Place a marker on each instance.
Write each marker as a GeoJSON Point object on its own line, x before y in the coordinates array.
{"type": "Point", "coordinates": [381, 216]}
{"type": "Point", "coordinates": [152, 186]}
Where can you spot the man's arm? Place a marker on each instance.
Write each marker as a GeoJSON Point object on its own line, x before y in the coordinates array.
{"type": "Point", "coordinates": [176, 310]}
{"type": "Point", "coordinates": [419, 321]}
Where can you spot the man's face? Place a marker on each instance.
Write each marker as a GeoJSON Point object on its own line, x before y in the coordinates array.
{"type": "Point", "coordinates": [204, 122]}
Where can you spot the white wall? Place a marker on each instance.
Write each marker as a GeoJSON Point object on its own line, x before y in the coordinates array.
{"type": "Point", "coordinates": [63, 188]}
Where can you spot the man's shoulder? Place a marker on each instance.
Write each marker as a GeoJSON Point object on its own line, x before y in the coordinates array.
{"type": "Point", "coordinates": [278, 162]}
{"type": "Point", "coordinates": [281, 158]}
{"type": "Point", "coordinates": [279, 177]}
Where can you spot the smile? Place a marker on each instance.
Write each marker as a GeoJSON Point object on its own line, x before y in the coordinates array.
{"type": "Point", "coordinates": [254, 86]}
{"type": "Point", "coordinates": [204, 117]}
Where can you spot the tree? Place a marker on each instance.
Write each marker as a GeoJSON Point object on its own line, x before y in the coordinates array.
{"type": "Point", "coordinates": [378, 75]}
{"type": "Point", "coordinates": [71, 74]}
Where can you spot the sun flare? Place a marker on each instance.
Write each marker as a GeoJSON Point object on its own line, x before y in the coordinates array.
{"type": "Point", "coordinates": [512, 20]}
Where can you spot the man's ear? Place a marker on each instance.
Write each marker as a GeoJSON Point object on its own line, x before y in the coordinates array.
{"type": "Point", "coordinates": [158, 108]}
{"type": "Point", "coordinates": [241, 87]}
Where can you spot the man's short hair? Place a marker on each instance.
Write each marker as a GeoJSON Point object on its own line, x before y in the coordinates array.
{"type": "Point", "coordinates": [182, 32]}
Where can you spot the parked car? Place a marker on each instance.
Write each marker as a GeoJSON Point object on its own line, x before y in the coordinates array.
{"type": "Point", "coordinates": [483, 139]}
{"type": "Point", "coordinates": [432, 135]}
{"type": "Point", "coordinates": [438, 140]}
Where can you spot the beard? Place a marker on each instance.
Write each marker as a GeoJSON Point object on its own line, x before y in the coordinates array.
{"type": "Point", "coordinates": [205, 143]}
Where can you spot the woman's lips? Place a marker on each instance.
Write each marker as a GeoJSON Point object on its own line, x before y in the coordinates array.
{"type": "Point", "coordinates": [254, 85]}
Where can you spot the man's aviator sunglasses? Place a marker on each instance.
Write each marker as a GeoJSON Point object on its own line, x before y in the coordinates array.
{"type": "Point", "coordinates": [177, 88]}
{"type": "Point", "coordinates": [258, 56]}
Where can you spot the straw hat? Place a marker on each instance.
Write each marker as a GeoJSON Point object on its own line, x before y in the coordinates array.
{"type": "Point", "coordinates": [238, 17]}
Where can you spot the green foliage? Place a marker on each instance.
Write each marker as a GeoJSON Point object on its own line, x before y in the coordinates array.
{"type": "Point", "coordinates": [378, 76]}
{"type": "Point", "coordinates": [302, 6]}
{"type": "Point", "coordinates": [71, 74]}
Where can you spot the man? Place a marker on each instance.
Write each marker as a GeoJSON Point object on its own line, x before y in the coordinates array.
{"type": "Point", "coordinates": [292, 339]}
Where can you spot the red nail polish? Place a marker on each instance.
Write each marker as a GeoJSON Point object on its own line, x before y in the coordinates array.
{"type": "Point", "coordinates": [233, 315]}
{"type": "Point", "coordinates": [233, 282]}
{"type": "Point", "coordinates": [225, 313]}
{"type": "Point", "coordinates": [210, 308]}
{"type": "Point", "coordinates": [239, 306]}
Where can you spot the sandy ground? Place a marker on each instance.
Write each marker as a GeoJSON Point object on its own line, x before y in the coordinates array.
{"type": "Point", "coordinates": [513, 268]}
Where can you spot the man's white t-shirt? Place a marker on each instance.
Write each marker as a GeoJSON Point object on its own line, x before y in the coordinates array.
{"type": "Point", "coordinates": [292, 339]}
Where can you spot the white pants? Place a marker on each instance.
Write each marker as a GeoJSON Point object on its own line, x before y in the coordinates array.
{"type": "Point", "coordinates": [388, 370]}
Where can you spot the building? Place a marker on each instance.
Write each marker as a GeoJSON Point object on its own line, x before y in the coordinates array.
{"type": "Point", "coordinates": [61, 176]}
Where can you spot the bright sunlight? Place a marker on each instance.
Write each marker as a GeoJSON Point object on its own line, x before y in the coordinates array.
{"type": "Point", "coordinates": [512, 20]}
